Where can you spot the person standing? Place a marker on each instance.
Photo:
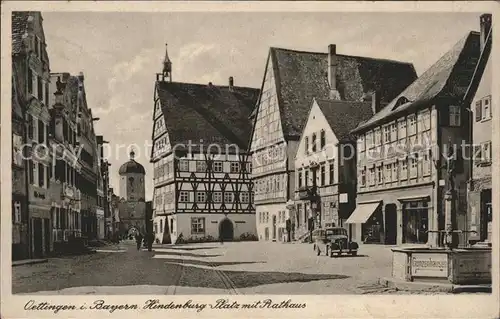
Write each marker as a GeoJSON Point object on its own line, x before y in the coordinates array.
{"type": "Point", "coordinates": [138, 240]}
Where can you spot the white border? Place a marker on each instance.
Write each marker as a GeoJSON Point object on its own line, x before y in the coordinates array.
{"type": "Point", "coordinates": [337, 306]}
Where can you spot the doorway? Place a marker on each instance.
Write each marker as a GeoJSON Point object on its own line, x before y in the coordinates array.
{"type": "Point", "coordinates": [37, 238]}
{"type": "Point", "coordinates": [391, 222]}
{"type": "Point", "coordinates": [415, 222]}
{"type": "Point", "coordinates": [226, 230]}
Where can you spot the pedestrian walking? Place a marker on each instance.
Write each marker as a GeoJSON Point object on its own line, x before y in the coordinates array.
{"type": "Point", "coordinates": [150, 240]}
{"type": "Point", "coordinates": [138, 240]}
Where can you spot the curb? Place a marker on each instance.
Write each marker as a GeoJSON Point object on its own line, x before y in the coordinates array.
{"type": "Point", "coordinates": [28, 262]}
{"type": "Point", "coordinates": [433, 286]}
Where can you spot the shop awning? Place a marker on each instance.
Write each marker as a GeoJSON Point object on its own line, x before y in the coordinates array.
{"type": "Point", "coordinates": [362, 212]}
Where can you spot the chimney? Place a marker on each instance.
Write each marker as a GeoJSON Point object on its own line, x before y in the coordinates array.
{"type": "Point", "coordinates": [332, 72]}
{"type": "Point", "coordinates": [210, 84]}
{"type": "Point", "coordinates": [485, 27]}
{"type": "Point", "coordinates": [80, 81]}
{"type": "Point", "coordinates": [375, 102]}
{"type": "Point", "coordinates": [231, 84]}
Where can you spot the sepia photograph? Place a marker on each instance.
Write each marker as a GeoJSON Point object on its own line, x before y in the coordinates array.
{"type": "Point", "coordinates": [248, 153]}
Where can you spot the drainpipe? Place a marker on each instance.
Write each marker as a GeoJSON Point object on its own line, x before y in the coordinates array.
{"type": "Point", "coordinates": [26, 166]}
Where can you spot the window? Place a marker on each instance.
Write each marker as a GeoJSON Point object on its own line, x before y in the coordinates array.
{"type": "Point", "coordinates": [394, 131]}
{"type": "Point", "coordinates": [306, 177]}
{"type": "Point", "coordinates": [218, 167]}
{"type": "Point", "coordinates": [395, 176]}
{"type": "Point", "coordinates": [245, 197]}
{"type": "Point", "coordinates": [41, 175]}
{"type": "Point", "coordinates": [372, 176]}
{"type": "Point", "coordinates": [322, 139]}
{"type": "Point", "coordinates": [217, 197]}
{"type": "Point", "coordinates": [183, 197]}
{"type": "Point", "coordinates": [41, 132]}
{"type": "Point", "coordinates": [426, 165]}
{"type": "Point", "coordinates": [388, 173]}
{"type": "Point", "coordinates": [306, 145]}
{"type": "Point", "coordinates": [322, 176]}
{"type": "Point", "coordinates": [380, 176]}
{"type": "Point", "coordinates": [332, 172]}
{"type": "Point", "coordinates": [30, 81]}
{"type": "Point", "coordinates": [30, 126]}
{"type": "Point", "coordinates": [361, 144]}
{"type": "Point", "coordinates": [479, 111]}
{"type": "Point", "coordinates": [201, 197]}
{"type": "Point", "coordinates": [412, 129]}
{"type": "Point", "coordinates": [300, 178]}
{"type": "Point", "coordinates": [33, 167]}
{"type": "Point", "coordinates": [402, 128]}
{"type": "Point", "coordinates": [198, 225]}
{"type": "Point", "coordinates": [47, 94]}
{"type": "Point", "coordinates": [228, 197]}
{"type": "Point", "coordinates": [235, 167]}
{"type": "Point", "coordinates": [387, 134]}
{"type": "Point", "coordinates": [486, 151]}
{"type": "Point", "coordinates": [369, 140]}
{"type": "Point", "coordinates": [16, 218]}
{"type": "Point", "coordinates": [201, 166]}
{"type": "Point", "coordinates": [454, 112]}
{"type": "Point", "coordinates": [404, 169]}
{"type": "Point", "coordinates": [313, 142]}
{"type": "Point", "coordinates": [363, 176]}
{"type": "Point", "coordinates": [183, 166]}
{"type": "Point", "coordinates": [378, 140]}
{"type": "Point", "coordinates": [486, 113]}
{"type": "Point", "coordinates": [413, 167]}
{"type": "Point", "coordinates": [40, 89]}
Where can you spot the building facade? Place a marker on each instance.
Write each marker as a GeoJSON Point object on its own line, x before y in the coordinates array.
{"type": "Point", "coordinates": [480, 96]}
{"type": "Point", "coordinates": [402, 169]}
{"type": "Point", "coordinates": [132, 207]}
{"type": "Point", "coordinates": [291, 80]}
{"type": "Point", "coordinates": [65, 166]}
{"type": "Point", "coordinates": [31, 203]}
{"type": "Point", "coordinates": [201, 174]}
{"type": "Point", "coordinates": [325, 165]}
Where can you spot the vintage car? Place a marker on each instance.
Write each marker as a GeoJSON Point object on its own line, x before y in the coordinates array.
{"type": "Point", "coordinates": [334, 241]}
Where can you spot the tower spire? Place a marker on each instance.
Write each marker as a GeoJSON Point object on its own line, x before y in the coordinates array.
{"type": "Point", "coordinates": [167, 65]}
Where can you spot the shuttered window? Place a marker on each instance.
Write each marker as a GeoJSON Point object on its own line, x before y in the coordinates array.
{"type": "Point", "coordinates": [479, 109]}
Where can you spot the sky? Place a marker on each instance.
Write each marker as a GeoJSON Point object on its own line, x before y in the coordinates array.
{"type": "Point", "coordinates": [120, 53]}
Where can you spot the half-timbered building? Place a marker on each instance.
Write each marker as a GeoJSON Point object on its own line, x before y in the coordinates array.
{"type": "Point", "coordinates": [402, 170]}
{"type": "Point", "coordinates": [202, 186]}
{"type": "Point", "coordinates": [291, 80]}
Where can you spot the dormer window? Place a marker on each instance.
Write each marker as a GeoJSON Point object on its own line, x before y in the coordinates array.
{"type": "Point", "coordinates": [402, 100]}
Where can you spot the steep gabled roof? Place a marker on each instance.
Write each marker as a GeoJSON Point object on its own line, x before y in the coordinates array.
{"type": "Point", "coordinates": [209, 113]}
{"type": "Point", "coordinates": [449, 77]}
{"type": "Point", "coordinates": [479, 71]}
{"type": "Point", "coordinates": [344, 116]}
{"type": "Point", "coordinates": [302, 76]}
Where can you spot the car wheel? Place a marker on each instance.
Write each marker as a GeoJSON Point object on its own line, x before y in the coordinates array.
{"type": "Point", "coordinates": [339, 253]}
{"type": "Point", "coordinates": [354, 253]}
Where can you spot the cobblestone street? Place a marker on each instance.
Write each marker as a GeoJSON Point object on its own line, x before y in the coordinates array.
{"type": "Point", "coordinates": [229, 268]}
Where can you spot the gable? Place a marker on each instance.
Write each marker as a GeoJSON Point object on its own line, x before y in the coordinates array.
{"type": "Point", "coordinates": [267, 129]}
{"type": "Point", "coordinates": [159, 135]}
{"type": "Point", "coordinates": [316, 122]}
